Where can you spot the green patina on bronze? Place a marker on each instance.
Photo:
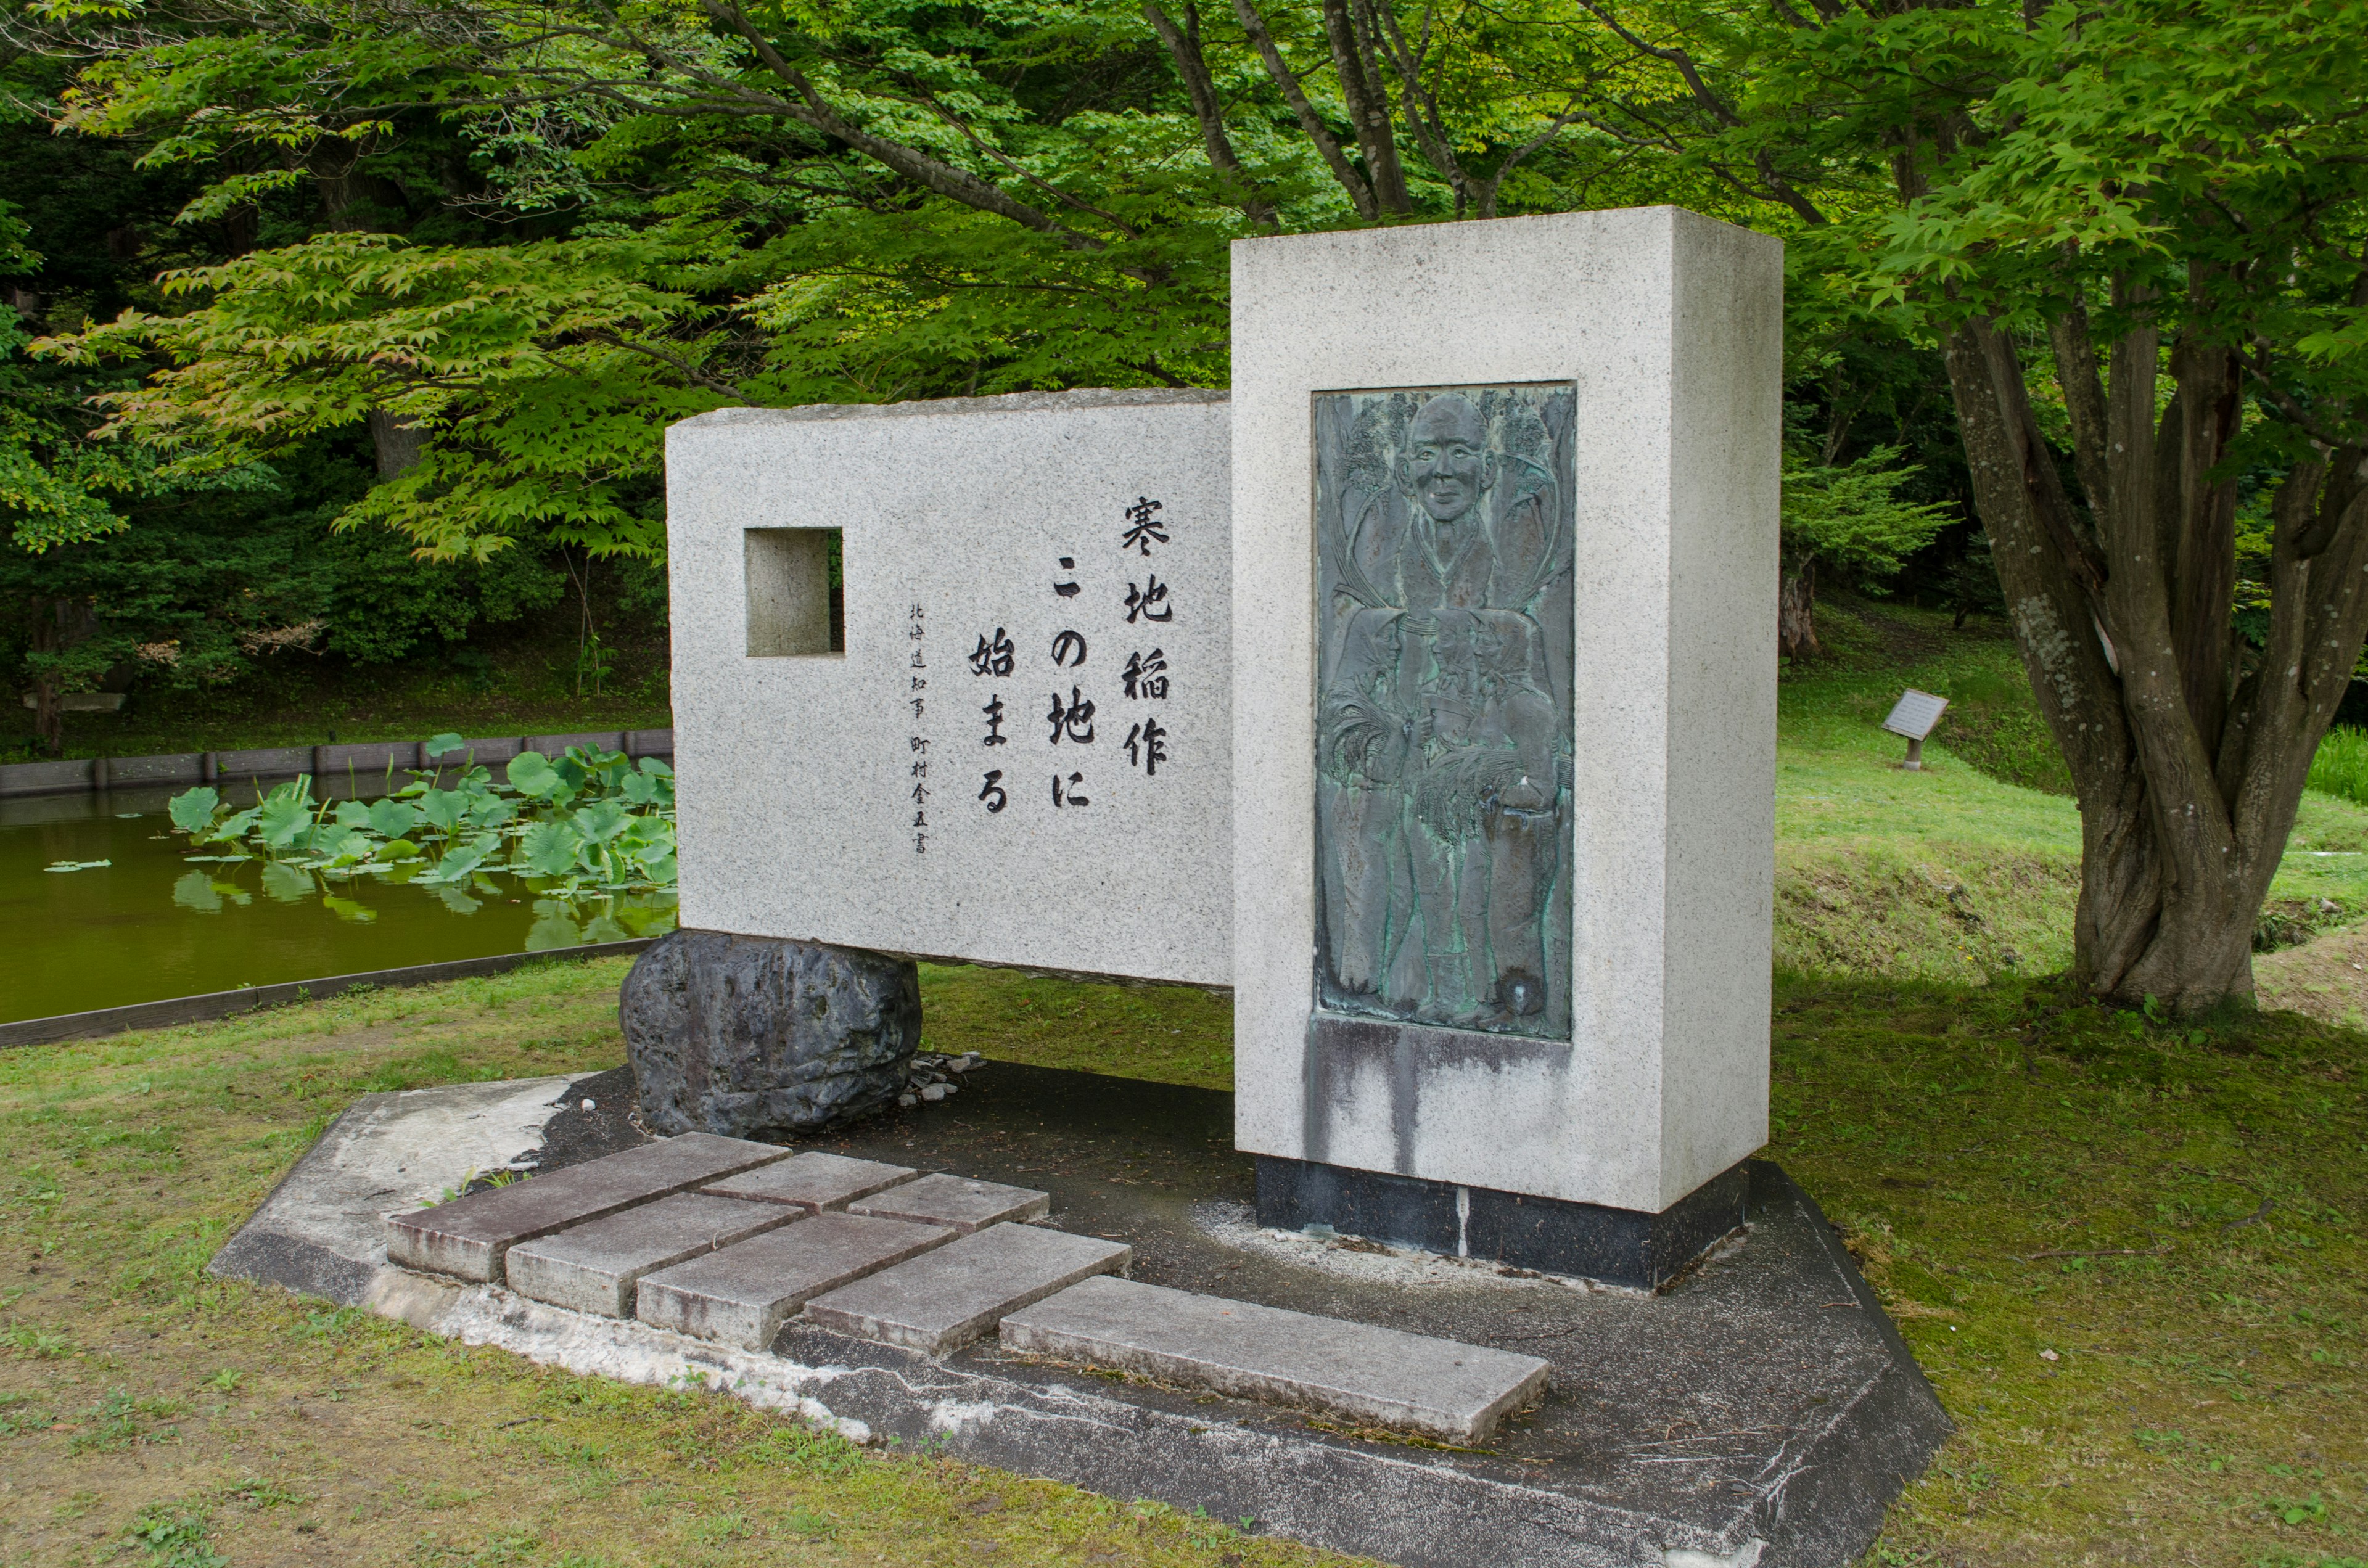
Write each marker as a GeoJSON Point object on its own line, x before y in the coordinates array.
{"type": "Point", "coordinates": [1443, 524]}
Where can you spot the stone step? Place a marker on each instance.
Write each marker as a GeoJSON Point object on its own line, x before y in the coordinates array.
{"type": "Point", "coordinates": [595, 1267]}
{"type": "Point", "coordinates": [468, 1236]}
{"type": "Point", "coordinates": [943, 1300]}
{"type": "Point", "coordinates": [1377, 1375]}
{"type": "Point", "coordinates": [742, 1294]}
{"type": "Point", "coordinates": [957, 1202]}
{"type": "Point", "coordinates": [815, 1181]}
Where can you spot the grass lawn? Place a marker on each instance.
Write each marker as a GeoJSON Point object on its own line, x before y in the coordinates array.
{"type": "Point", "coordinates": [2128, 1254]}
{"type": "Point", "coordinates": [1970, 868]}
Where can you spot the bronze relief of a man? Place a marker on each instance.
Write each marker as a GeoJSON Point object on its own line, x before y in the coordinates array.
{"type": "Point", "coordinates": [1443, 825]}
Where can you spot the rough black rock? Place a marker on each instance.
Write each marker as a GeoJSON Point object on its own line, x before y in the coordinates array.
{"type": "Point", "coordinates": [742, 1035]}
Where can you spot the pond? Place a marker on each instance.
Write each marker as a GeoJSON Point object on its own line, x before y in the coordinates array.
{"type": "Point", "coordinates": [152, 925]}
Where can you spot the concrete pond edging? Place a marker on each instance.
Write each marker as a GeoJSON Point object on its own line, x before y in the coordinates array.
{"type": "Point", "coordinates": [94, 774]}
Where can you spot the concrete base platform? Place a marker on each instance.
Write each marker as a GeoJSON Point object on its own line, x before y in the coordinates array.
{"type": "Point", "coordinates": [1759, 1410]}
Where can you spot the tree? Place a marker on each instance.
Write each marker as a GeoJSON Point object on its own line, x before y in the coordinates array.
{"type": "Point", "coordinates": [1849, 517]}
{"type": "Point", "coordinates": [763, 204]}
{"type": "Point", "coordinates": [2088, 209]}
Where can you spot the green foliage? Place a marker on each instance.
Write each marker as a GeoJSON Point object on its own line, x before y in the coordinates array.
{"type": "Point", "coordinates": [526, 364]}
{"type": "Point", "coordinates": [2339, 766]}
{"type": "Point", "coordinates": [592, 824]}
{"type": "Point", "coordinates": [1850, 515]}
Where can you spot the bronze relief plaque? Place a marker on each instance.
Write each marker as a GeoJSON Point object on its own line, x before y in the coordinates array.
{"type": "Point", "coordinates": [1443, 524]}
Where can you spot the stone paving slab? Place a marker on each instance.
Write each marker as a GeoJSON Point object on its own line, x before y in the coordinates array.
{"type": "Point", "coordinates": [814, 1182]}
{"type": "Point", "coordinates": [1379, 1375]}
{"type": "Point", "coordinates": [593, 1267]}
{"type": "Point", "coordinates": [943, 1300]}
{"type": "Point", "coordinates": [468, 1236]}
{"type": "Point", "coordinates": [957, 1202]}
{"type": "Point", "coordinates": [742, 1294]}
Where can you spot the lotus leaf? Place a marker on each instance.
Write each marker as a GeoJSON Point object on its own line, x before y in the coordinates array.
{"type": "Point", "coordinates": [531, 775]}
{"type": "Point", "coordinates": [193, 810]}
{"type": "Point", "coordinates": [550, 848]}
{"type": "Point", "coordinates": [285, 815]}
{"type": "Point", "coordinates": [232, 828]}
{"type": "Point", "coordinates": [602, 821]}
{"type": "Point", "coordinates": [444, 745]}
{"type": "Point", "coordinates": [446, 809]}
{"type": "Point", "coordinates": [393, 819]}
{"type": "Point", "coordinates": [352, 847]}
{"type": "Point", "coordinates": [353, 814]}
{"type": "Point", "coordinates": [398, 849]}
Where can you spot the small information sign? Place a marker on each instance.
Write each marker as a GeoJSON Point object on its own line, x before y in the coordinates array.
{"type": "Point", "coordinates": [1915, 714]}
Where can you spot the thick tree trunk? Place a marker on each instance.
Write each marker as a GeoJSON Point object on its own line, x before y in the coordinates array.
{"type": "Point", "coordinates": [2188, 778]}
{"type": "Point", "coordinates": [1796, 603]}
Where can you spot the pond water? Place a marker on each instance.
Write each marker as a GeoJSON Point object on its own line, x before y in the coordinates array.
{"type": "Point", "coordinates": [152, 925]}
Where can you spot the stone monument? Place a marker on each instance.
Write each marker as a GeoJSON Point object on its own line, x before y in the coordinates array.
{"type": "Point", "coordinates": [1505, 716]}
{"type": "Point", "coordinates": [1421, 692]}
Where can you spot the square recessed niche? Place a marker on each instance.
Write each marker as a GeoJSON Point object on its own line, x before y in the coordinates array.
{"type": "Point", "coordinates": [793, 606]}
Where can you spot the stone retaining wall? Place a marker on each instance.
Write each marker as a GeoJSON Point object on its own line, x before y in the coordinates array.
{"type": "Point", "coordinates": [286, 762]}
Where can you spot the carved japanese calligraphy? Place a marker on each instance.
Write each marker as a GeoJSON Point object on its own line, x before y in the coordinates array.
{"type": "Point", "coordinates": [1443, 520]}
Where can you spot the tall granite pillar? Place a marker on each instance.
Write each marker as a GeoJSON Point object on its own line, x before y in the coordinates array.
{"type": "Point", "coordinates": [1504, 533]}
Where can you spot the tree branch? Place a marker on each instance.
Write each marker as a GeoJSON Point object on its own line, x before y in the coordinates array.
{"type": "Point", "coordinates": [812, 108]}
{"type": "Point", "coordinates": [1361, 195]}
{"type": "Point", "coordinates": [1184, 49]}
{"type": "Point", "coordinates": [1368, 106]}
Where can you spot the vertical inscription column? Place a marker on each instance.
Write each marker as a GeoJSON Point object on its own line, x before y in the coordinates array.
{"type": "Point", "coordinates": [917, 696]}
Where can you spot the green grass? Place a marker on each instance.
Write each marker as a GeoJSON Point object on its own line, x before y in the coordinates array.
{"type": "Point", "coordinates": [2340, 767]}
{"type": "Point", "coordinates": [152, 1414]}
{"type": "Point", "coordinates": [2202, 1404]}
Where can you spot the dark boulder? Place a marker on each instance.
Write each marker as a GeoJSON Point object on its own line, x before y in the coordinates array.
{"type": "Point", "coordinates": [739, 1035]}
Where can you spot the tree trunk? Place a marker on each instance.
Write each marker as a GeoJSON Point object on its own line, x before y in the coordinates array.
{"type": "Point", "coordinates": [1796, 602]}
{"type": "Point", "coordinates": [396, 445]}
{"type": "Point", "coordinates": [2188, 777]}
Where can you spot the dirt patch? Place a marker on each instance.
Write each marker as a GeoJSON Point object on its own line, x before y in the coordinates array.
{"type": "Point", "coordinates": [2326, 978]}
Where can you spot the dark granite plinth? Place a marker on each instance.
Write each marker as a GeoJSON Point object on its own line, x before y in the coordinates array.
{"type": "Point", "coordinates": [1617, 1247]}
{"type": "Point", "coordinates": [1761, 1403]}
